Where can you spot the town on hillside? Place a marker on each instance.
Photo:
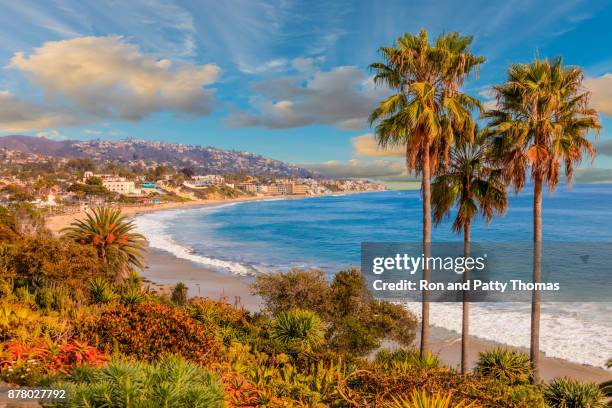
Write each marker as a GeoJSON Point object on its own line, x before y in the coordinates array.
{"type": "Point", "coordinates": [60, 184]}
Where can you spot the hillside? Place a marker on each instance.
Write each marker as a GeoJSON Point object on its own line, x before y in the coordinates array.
{"type": "Point", "coordinates": [132, 152]}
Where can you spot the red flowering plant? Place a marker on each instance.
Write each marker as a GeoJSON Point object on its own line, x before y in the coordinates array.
{"type": "Point", "coordinates": [23, 363]}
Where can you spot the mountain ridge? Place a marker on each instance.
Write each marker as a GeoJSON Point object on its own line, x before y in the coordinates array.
{"type": "Point", "coordinates": [136, 151]}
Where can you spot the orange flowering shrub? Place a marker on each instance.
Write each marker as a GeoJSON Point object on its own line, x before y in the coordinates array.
{"type": "Point", "coordinates": [21, 362]}
{"type": "Point", "coordinates": [151, 330]}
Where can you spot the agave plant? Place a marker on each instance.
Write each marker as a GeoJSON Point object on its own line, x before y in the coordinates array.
{"type": "Point", "coordinates": [569, 393]}
{"type": "Point", "coordinates": [298, 330]}
{"type": "Point", "coordinates": [170, 383]}
{"type": "Point", "coordinates": [406, 360]}
{"type": "Point", "coordinates": [101, 291]}
{"type": "Point", "coordinates": [119, 248]}
{"type": "Point", "coordinates": [424, 400]}
{"type": "Point", "coordinates": [507, 366]}
{"type": "Point", "coordinates": [132, 296]}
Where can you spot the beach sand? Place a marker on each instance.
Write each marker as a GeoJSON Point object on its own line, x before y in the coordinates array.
{"type": "Point", "coordinates": [164, 270]}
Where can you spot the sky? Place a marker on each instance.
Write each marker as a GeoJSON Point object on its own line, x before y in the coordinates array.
{"type": "Point", "coordinates": [285, 79]}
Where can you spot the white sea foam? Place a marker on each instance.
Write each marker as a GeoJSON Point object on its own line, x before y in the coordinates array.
{"type": "Point", "coordinates": [509, 323]}
{"type": "Point", "coordinates": [152, 226]}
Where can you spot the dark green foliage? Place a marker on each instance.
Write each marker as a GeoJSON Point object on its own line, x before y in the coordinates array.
{"type": "Point", "coordinates": [568, 393]}
{"type": "Point", "coordinates": [179, 294]}
{"type": "Point", "coordinates": [356, 322]}
{"type": "Point", "coordinates": [507, 366]}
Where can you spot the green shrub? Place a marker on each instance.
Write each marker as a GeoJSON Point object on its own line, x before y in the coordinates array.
{"type": "Point", "coordinates": [148, 331]}
{"type": "Point", "coordinates": [170, 383]}
{"type": "Point", "coordinates": [406, 360]}
{"type": "Point", "coordinates": [507, 366]}
{"type": "Point", "coordinates": [232, 323]}
{"type": "Point", "coordinates": [569, 393]}
{"type": "Point", "coordinates": [298, 330]}
{"type": "Point", "coordinates": [356, 323]}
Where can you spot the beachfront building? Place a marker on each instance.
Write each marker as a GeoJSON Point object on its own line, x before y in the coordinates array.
{"type": "Point", "coordinates": [120, 186]}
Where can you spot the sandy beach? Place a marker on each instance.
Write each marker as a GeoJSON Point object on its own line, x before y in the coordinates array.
{"type": "Point", "coordinates": [163, 270]}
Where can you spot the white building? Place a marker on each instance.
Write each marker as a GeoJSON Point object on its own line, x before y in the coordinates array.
{"type": "Point", "coordinates": [120, 186]}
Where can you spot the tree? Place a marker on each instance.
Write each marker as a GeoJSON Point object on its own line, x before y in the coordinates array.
{"type": "Point", "coordinates": [112, 235]}
{"type": "Point", "coordinates": [542, 119]}
{"type": "Point", "coordinates": [471, 182]}
{"type": "Point", "coordinates": [425, 113]}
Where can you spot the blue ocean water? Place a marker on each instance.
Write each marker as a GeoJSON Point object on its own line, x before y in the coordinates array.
{"type": "Point", "coordinates": [326, 232]}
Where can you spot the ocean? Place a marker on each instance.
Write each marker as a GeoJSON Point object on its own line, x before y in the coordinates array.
{"type": "Point", "coordinates": [255, 237]}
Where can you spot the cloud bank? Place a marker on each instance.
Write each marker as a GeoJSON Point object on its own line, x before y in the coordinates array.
{"type": "Point", "coordinates": [93, 78]}
{"type": "Point", "coordinates": [342, 97]}
{"type": "Point", "coordinates": [601, 93]}
{"type": "Point", "coordinates": [366, 146]}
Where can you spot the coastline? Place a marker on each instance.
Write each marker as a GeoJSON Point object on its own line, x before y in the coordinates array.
{"type": "Point", "coordinates": [163, 270]}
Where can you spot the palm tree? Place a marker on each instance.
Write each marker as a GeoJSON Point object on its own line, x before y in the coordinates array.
{"type": "Point", "coordinates": [542, 119]}
{"type": "Point", "coordinates": [425, 112]}
{"type": "Point", "coordinates": [119, 248]}
{"type": "Point", "coordinates": [470, 182]}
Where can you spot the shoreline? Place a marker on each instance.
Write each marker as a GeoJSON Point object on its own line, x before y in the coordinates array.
{"type": "Point", "coordinates": [163, 270]}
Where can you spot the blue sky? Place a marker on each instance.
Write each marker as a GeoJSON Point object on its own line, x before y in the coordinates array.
{"type": "Point", "coordinates": [285, 79]}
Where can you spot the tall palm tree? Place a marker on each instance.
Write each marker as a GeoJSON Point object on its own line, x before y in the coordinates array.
{"type": "Point", "coordinates": [119, 248]}
{"type": "Point", "coordinates": [542, 119]}
{"type": "Point", "coordinates": [471, 182]}
{"type": "Point", "coordinates": [424, 113]}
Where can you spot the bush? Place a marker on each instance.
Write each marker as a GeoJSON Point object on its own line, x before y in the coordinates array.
{"type": "Point", "coordinates": [231, 323]}
{"type": "Point", "coordinates": [568, 393]}
{"type": "Point", "coordinates": [172, 382]}
{"type": "Point", "coordinates": [355, 321]}
{"type": "Point", "coordinates": [179, 294]}
{"type": "Point", "coordinates": [149, 331]}
{"type": "Point", "coordinates": [295, 289]}
{"type": "Point", "coordinates": [507, 366]}
{"type": "Point", "coordinates": [44, 261]}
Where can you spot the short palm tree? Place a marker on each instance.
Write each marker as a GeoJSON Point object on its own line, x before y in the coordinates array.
{"type": "Point", "coordinates": [425, 112]}
{"type": "Point", "coordinates": [542, 120]}
{"type": "Point", "coordinates": [119, 248]}
{"type": "Point", "coordinates": [471, 183]}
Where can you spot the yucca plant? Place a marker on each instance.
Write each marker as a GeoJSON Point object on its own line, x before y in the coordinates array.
{"type": "Point", "coordinates": [101, 291]}
{"type": "Point", "coordinates": [569, 393]}
{"type": "Point", "coordinates": [112, 235]}
{"type": "Point", "coordinates": [170, 383]}
{"type": "Point", "coordinates": [507, 366]}
{"type": "Point", "coordinates": [298, 330]}
{"type": "Point", "coordinates": [421, 399]}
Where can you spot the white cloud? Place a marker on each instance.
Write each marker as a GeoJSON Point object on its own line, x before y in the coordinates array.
{"type": "Point", "coordinates": [366, 146]}
{"type": "Point", "coordinates": [359, 168]}
{"type": "Point", "coordinates": [342, 97]}
{"type": "Point", "coordinates": [19, 115]}
{"type": "Point", "coordinates": [601, 93]}
{"type": "Point", "coordinates": [52, 135]}
{"type": "Point", "coordinates": [96, 78]}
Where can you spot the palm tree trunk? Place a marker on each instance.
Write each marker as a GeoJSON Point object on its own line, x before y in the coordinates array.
{"type": "Point", "coordinates": [537, 277]}
{"type": "Point", "coordinates": [426, 249]}
{"type": "Point", "coordinates": [465, 322]}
